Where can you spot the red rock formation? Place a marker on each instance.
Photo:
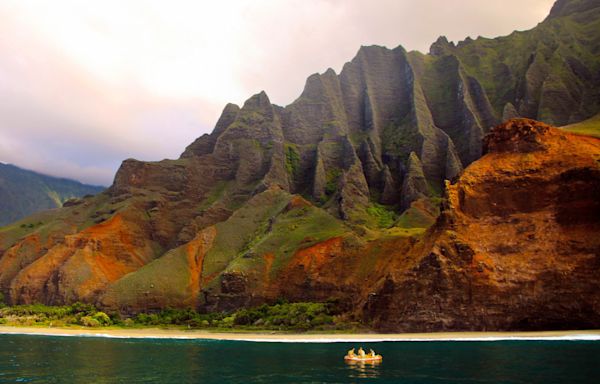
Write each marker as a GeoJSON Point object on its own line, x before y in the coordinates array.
{"type": "Point", "coordinates": [516, 246]}
{"type": "Point", "coordinates": [80, 266]}
{"type": "Point", "coordinates": [171, 281]}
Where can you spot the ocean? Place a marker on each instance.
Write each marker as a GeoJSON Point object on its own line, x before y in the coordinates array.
{"type": "Point", "coordinates": [55, 359]}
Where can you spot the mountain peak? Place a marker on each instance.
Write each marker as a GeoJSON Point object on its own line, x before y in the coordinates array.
{"type": "Point", "coordinates": [258, 101]}
{"type": "Point", "coordinates": [330, 72]}
{"type": "Point", "coordinates": [440, 46]}
{"type": "Point", "coordinates": [371, 50]}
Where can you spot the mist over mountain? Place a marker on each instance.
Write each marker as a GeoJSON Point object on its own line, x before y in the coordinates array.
{"type": "Point", "coordinates": [24, 192]}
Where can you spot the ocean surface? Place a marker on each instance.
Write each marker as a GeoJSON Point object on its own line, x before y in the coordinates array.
{"type": "Point", "coordinates": [52, 359]}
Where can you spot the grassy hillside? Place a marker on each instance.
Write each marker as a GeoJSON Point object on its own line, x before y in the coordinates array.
{"type": "Point", "coordinates": [589, 127]}
{"type": "Point", "coordinates": [24, 192]}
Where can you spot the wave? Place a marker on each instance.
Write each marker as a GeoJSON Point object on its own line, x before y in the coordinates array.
{"type": "Point", "coordinates": [583, 337]}
{"type": "Point", "coordinates": [299, 339]}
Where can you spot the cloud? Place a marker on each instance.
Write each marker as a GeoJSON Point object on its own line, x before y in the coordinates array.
{"type": "Point", "coordinates": [84, 85]}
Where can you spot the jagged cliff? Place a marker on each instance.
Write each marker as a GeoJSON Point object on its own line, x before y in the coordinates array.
{"type": "Point", "coordinates": [317, 200]}
{"type": "Point", "coordinates": [516, 246]}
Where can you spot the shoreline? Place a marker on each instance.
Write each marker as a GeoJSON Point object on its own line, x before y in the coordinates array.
{"type": "Point", "coordinates": [156, 333]}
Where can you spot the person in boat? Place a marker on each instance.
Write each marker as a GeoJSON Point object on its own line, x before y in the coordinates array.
{"type": "Point", "coordinates": [351, 353]}
{"type": "Point", "coordinates": [361, 353]}
{"type": "Point", "coordinates": [372, 353]}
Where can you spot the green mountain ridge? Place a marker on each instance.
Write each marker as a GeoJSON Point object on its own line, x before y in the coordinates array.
{"type": "Point", "coordinates": [24, 192]}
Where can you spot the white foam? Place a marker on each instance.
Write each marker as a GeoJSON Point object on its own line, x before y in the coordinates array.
{"type": "Point", "coordinates": [575, 337]}
{"type": "Point", "coordinates": [268, 339]}
{"type": "Point", "coordinates": [474, 339]}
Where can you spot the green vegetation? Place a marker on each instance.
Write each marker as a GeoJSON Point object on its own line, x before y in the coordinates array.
{"type": "Point", "coordinates": [31, 225]}
{"type": "Point", "coordinates": [98, 319]}
{"type": "Point", "coordinates": [291, 230]}
{"type": "Point", "coordinates": [281, 316]}
{"type": "Point", "coordinates": [215, 194]}
{"type": "Point", "coordinates": [415, 218]}
{"type": "Point", "coordinates": [264, 225]}
{"type": "Point", "coordinates": [404, 232]}
{"type": "Point", "coordinates": [589, 127]}
{"type": "Point", "coordinates": [241, 230]}
{"type": "Point", "coordinates": [384, 216]}
{"type": "Point", "coordinates": [292, 159]}
{"type": "Point", "coordinates": [38, 314]}
{"type": "Point", "coordinates": [538, 53]}
{"type": "Point", "coordinates": [166, 277]}
{"type": "Point", "coordinates": [297, 316]}
{"type": "Point", "coordinates": [399, 140]}
{"type": "Point", "coordinates": [333, 176]}
{"type": "Point", "coordinates": [25, 192]}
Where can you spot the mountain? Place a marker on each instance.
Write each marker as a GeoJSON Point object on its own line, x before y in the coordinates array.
{"type": "Point", "coordinates": [24, 192]}
{"type": "Point", "coordinates": [331, 197]}
{"type": "Point", "coordinates": [498, 258]}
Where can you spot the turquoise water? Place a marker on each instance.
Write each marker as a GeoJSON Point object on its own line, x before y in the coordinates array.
{"type": "Point", "coordinates": [100, 360]}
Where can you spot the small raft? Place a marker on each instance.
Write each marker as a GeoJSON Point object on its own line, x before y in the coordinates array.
{"type": "Point", "coordinates": [363, 359]}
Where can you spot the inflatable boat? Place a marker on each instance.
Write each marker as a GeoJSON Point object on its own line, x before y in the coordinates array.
{"type": "Point", "coordinates": [367, 358]}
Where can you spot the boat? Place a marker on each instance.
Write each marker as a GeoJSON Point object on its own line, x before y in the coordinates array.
{"type": "Point", "coordinates": [366, 359]}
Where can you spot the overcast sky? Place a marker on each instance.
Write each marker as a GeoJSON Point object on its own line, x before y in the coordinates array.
{"type": "Point", "coordinates": [87, 84]}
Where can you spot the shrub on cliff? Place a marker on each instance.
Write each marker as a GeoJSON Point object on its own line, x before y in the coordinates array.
{"type": "Point", "coordinates": [98, 319]}
{"type": "Point", "coordinates": [102, 318]}
{"type": "Point", "coordinates": [299, 316]}
{"type": "Point", "coordinates": [89, 321]}
{"type": "Point", "coordinates": [78, 307]}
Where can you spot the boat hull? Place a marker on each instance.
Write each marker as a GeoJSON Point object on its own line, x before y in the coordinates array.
{"type": "Point", "coordinates": [363, 359]}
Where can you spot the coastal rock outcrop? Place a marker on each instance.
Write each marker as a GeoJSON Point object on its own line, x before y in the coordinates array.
{"type": "Point", "coordinates": [516, 246]}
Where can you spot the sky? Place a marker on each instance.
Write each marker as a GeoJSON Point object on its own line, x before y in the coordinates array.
{"type": "Point", "coordinates": [87, 84]}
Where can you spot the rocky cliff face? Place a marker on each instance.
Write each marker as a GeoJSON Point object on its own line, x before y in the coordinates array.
{"type": "Point", "coordinates": [322, 198]}
{"type": "Point", "coordinates": [515, 246]}
{"type": "Point", "coordinates": [393, 125]}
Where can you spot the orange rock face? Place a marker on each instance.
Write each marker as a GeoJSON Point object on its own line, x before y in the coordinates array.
{"type": "Point", "coordinates": [311, 275]}
{"type": "Point", "coordinates": [171, 281]}
{"type": "Point", "coordinates": [83, 265]}
{"type": "Point", "coordinates": [517, 246]}
{"type": "Point", "coordinates": [339, 270]}
{"type": "Point", "coordinates": [195, 251]}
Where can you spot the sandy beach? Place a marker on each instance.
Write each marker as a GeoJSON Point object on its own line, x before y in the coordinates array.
{"type": "Point", "coordinates": [156, 333]}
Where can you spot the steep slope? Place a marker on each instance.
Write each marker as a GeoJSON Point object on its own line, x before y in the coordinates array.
{"type": "Point", "coordinates": [24, 192]}
{"type": "Point", "coordinates": [316, 200]}
{"type": "Point", "coordinates": [589, 127]}
{"type": "Point", "coordinates": [516, 246]}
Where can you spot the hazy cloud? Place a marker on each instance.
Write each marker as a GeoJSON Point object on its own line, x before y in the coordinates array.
{"type": "Point", "coordinates": [84, 85]}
